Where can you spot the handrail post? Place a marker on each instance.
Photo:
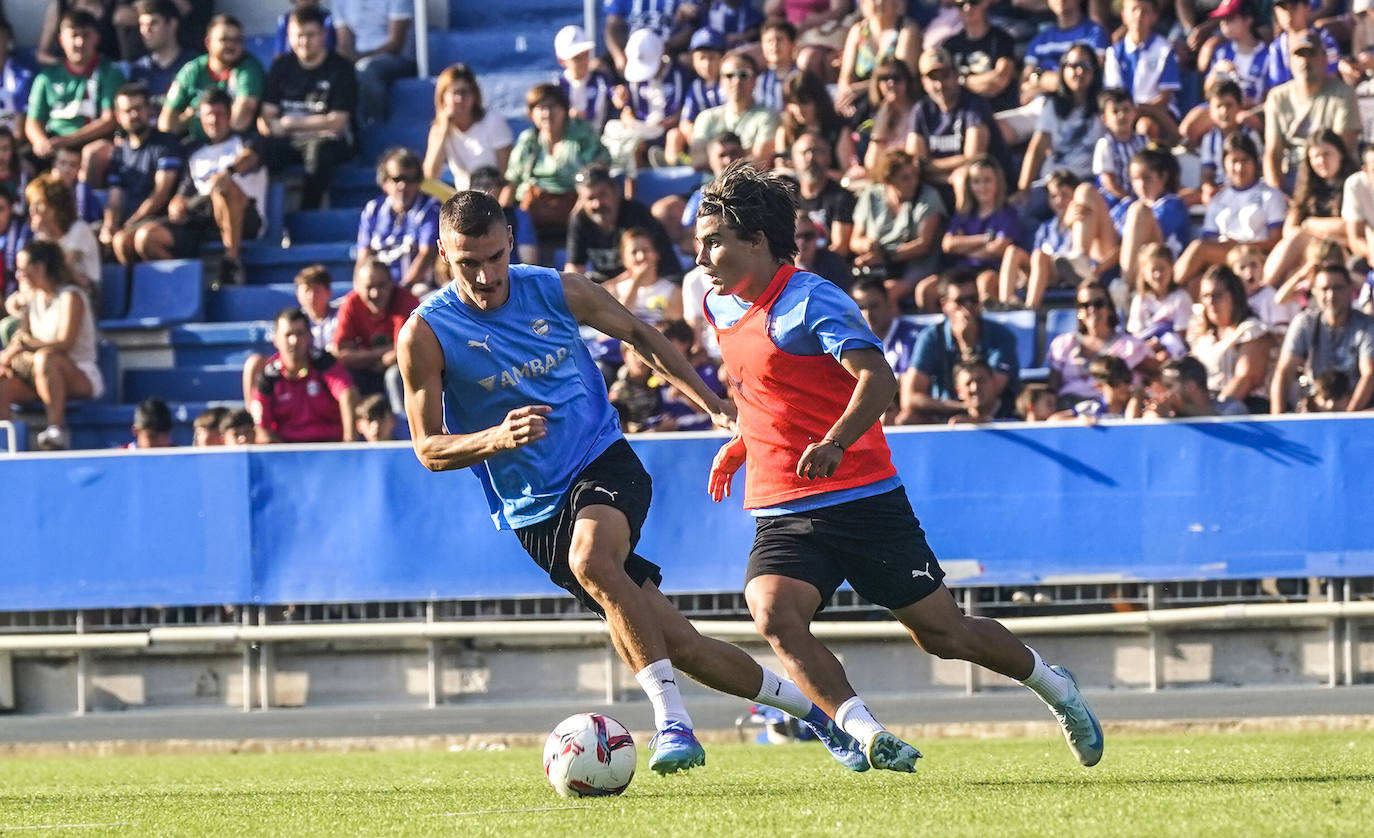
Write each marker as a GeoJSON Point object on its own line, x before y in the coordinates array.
{"type": "Point", "coordinates": [434, 664]}
{"type": "Point", "coordinates": [1151, 603]}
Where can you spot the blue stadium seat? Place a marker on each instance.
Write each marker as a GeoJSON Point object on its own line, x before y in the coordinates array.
{"type": "Point", "coordinates": [108, 426]}
{"type": "Point", "coordinates": [652, 184]}
{"type": "Point", "coordinates": [274, 217]}
{"type": "Point", "coordinates": [416, 97]}
{"type": "Point", "coordinates": [263, 47]}
{"type": "Point", "coordinates": [114, 291]}
{"type": "Point", "coordinates": [353, 186]}
{"type": "Point", "coordinates": [21, 435]}
{"type": "Point", "coordinates": [325, 225]}
{"type": "Point", "coordinates": [238, 303]}
{"type": "Point", "coordinates": [220, 382]}
{"type": "Point", "coordinates": [107, 358]}
{"type": "Point", "coordinates": [1058, 321]}
{"type": "Point", "coordinates": [408, 133]}
{"type": "Point", "coordinates": [267, 264]}
{"type": "Point", "coordinates": [514, 45]}
{"type": "Point", "coordinates": [208, 344]}
{"type": "Point", "coordinates": [164, 294]}
{"type": "Point", "coordinates": [1022, 325]}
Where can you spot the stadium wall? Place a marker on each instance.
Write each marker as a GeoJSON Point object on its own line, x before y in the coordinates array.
{"type": "Point", "coordinates": [1002, 506]}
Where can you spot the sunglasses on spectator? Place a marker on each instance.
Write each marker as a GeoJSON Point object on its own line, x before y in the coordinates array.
{"type": "Point", "coordinates": [1097, 304]}
{"type": "Point", "coordinates": [967, 4]}
{"type": "Point", "coordinates": [937, 74]}
{"type": "Point", "coordinates": [893, 78]}
{"type": "Point", "coordinates": [405, 178]}
{"type": "Point", "coordinates": [966, 300]}
{"type": "Point", "coordinates": [741, 75]}
{"type": "Point", "coordinates": [1077, 65]}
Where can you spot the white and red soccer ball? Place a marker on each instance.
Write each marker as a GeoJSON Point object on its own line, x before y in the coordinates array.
{"type": "Point", "coordinates": [589, 755]}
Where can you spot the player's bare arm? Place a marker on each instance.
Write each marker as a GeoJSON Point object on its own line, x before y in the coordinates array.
{"type": "Point", "coordinates": [594, 306]}
{"type": "Point", "coordinates": [872, 394]}
{"type": "Point", "coordinates": [421, 361]}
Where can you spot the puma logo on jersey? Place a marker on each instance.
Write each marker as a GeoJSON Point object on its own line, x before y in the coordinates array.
{"type": "Point", "coordinates": [533, 368]}
{"type": "Point", "coordinates": [605, 491]}
{"type": "Point", "coordinates": [916, 574]}
{"type": "Point", "coordinates": [480, 343]}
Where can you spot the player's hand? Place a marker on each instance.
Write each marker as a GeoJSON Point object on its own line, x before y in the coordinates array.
{"type": "Point", "coordinates": [819, 460]}
{"type": "Point", "coordinates": [728, 461]}
{"type": "Point", "coordinates": [524, 425]}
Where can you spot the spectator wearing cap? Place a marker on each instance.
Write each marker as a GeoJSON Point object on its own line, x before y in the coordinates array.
{"type": "Point", "coordinates": [375, 35]}
{"type": "Point", "coordinates": [927, 387]}
{"type": "Point", "coordinates": [648, 106]}
{"type": "Point", "coordinates": [587, 87]}
{"type": "Point", "coordinates": [602, 216]}
{"type": "Point", "coordinates": [152, 426]}
{"type": "Point", "coordinates": [755, 125]}
{"type": "Point", "coordinates": [673, 21]}
{"type": "Point", "coordinates": [308, 106]}
{"type": "Point", "coordinates": [1331, 335]}
{"type": "Point", "coordinates": [1313, 101]}
{"type": "Point", "coordinates": [547, 157]}
{"type": "Point", "coordinates": [778, 42]}
{"type": "Point", "coordinates": [370, 317]}
{"type": "Point", "coordinates": [707, 52]}
{"type": "Point", "coordinates": [301, 396]}
{"type": "Point", "coordinates": [984, 56]}
{"type": "Point", "coordinates": [737, 20]}
{"type": "Point", "coordinates": [1293, 21]}
{"type": "Point", "coordinates": [951, 126]}
{"type": "Point", "coordinates": [1240, 56]}
{"type": "Point", "coordinates": [400, 228]}
{"type": "Point", "coordinates": [223, 192]}
{"type": "Point", "coordinates": [464, 135]}
{"type": "Point", "coordinates": [1143, 62]}
{"type": "Point", "coordinates": [226, 64]}
{"type": "Point", "coordinates": [159, 24]}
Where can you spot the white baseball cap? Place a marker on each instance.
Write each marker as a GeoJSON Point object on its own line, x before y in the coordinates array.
{"type": "Point", "coordinates": [643, 55]}
{"type": "Point", "coordinates": [571, 42]}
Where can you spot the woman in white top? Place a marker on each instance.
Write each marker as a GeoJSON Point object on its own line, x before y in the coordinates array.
{"type": "Point", "coordinates": [52, 357]}
{"type": "Point", "coordinates": [52, 217]}
{"type": "Point", "coordinates": [1230, 341]}
{"type": "Point", "coordinates": [464, 136]}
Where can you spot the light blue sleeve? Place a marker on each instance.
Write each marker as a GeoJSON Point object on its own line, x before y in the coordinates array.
{"type": "Point", "coordinates": [830, 322]}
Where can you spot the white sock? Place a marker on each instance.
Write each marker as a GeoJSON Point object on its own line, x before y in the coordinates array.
{"type": "Point", "coordinates": [783, 694]}
{"type": "Point", "coordinates": [1046, 683]}
{"type": "Point", "coordinates": [660, 684]}
{"type": "Point", "coordinates": [853, 718]}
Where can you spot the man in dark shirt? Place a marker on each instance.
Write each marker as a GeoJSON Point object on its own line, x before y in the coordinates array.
{"type": "Point", "coordinates": [830, 205]}
{"type": "Point", "coordinates": [984, 56]}
{"type": "Point", "coordinates": [602, 215]}
{"type": "Point", "coordinates": [927, 391]}
{"type": "Point", "coordinates": [143, 172]}
{"type": "Point", "coordinates": [951, 126]}
{"type": "Point", "coordinates": [158, 26]}
{"type": "Point", "coordinates": [308, 106]}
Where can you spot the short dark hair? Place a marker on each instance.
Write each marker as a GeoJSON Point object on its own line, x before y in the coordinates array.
{"type": "Point", "coordinates": [1187, 368]}
{"type": "Point", "coordinates": [1110, 369]}
{"type": "Point", "coordinates": [952, 278]}
{"type": "Point", "coordinates": [1334, 268]}
{"type": "Point", "coordinates": [133, 90]}
{"type": "Point", "coordinates": [470, 213]}
{"type": "Point", "coordinates": [234, 419]}
{"type": "Point", "coordinates": [679, 329]}
{"type": "Point", "coordinates": [1114, 96]}
{"type": "Point", "coordinates": [224, 20]}
{"type": "Point", "coordinates": [161, 8]}
{"type": "Point", "coordinates": [543, 91]}
{"type": "Point", "coordinates": [291, 314]}
{"type": "Point", "coordinates": [309, 13]}
{"type": "Point", "coordinates": [211, 418]}
{"type": "Point", "coordinates": [1224, 87]}
{"type": "Point", "coordinates": [314, 275]}
{"type": "Point", "coordinates": [869, 285]}
{"type": "Point", "coordinates": [1239, 142]}
{"type": "Point", "coordinates": [374, 408]}
{"type": "Point", "coordinates": [593, 174]}
{"type": "Point", "coordinates": [726, 138]}
{"type": "Point", "coordinates": [216, 96]}
{"type": "Point", "coordinates": [153, 414]}
{"type": "Point", "coordinates": [782, 26]}
{"type": "Point", "coordinates": [751, 202]}
{"type": "Point", "coordinates": [970, 364]}
{"type": "Point", "coordinates": [79, 19]}
{"type": "Point", "coordinates": [1063, 177]}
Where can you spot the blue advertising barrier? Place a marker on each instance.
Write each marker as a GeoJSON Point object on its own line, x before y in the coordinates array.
{"type": "Point", "coordinates": [1003, 505]}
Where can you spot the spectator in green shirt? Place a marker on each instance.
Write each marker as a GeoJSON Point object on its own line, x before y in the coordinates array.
{"type": "Point", "coordinates": [225, 65]}
{"type": "Point", "coordinates": [71, 105]}
{"type": "Point", "coordinates": [547, 157]}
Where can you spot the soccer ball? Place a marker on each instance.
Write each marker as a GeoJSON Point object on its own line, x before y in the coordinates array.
{"type": "Point", "coordinates": [589, 755]}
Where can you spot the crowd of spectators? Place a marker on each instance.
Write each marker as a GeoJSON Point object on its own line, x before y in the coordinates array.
{"type": "Point", "coordinates": [1190, 176]}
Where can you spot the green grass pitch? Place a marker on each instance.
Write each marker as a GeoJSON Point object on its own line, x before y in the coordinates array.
{"type": "Point", "coordinates": [1306, 784]}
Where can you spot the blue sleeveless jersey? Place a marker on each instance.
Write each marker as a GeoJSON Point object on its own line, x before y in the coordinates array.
{"type": "Point", "coordinates": [526, 352]}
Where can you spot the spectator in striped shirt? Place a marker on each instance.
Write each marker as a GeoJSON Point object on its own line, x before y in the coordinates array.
{"type": "Point", "coordinates": [588, 88]}
{"type": "Point", "coordinates": [1114, 150]}
{"type": "Point", "coordinates": [778, 40]}
{"type": "Point", "coordinates": [400, 228]}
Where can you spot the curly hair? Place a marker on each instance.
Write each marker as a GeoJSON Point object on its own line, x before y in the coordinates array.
{"type": "Point", "coordinates": [749, 201]}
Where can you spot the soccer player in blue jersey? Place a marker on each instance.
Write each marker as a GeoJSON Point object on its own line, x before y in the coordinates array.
{"type": "Point", "coordinates": [497, 379]}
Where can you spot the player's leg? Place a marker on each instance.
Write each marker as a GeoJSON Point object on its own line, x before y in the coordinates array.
{"type": "Point", "coordinates": [727, 668]}
{"type": "Point", "coordinates": [940, 628]}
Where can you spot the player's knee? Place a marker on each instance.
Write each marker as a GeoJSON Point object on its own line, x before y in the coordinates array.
{"type": "Point", "coordinates": [946, 643]}
{"type": "Point", "coordinates": [774, 622]}
{"type": "Point", "coordinates": [593, 568]}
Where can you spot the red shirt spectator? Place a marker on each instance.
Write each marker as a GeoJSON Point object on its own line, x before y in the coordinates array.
{"type": "Point", "coordinates": [300, 397]}
{"type": "Point", "coordinates": [368, 320]}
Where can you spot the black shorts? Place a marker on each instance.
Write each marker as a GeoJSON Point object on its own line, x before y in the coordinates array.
{"type": "Point", "coordinates": [876, 543]}
{"type": "Point", "coordinates": [616, 478]}
{"type": "Point", "coordinates": [200, 227]}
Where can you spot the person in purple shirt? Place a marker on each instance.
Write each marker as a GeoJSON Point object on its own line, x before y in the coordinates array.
{"type": "Point", "coordinates": [707, 48]}
{"type": "Point", "coordinates": [981, 231]}
{"type": "Point", "coordinates": [401, 227]}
